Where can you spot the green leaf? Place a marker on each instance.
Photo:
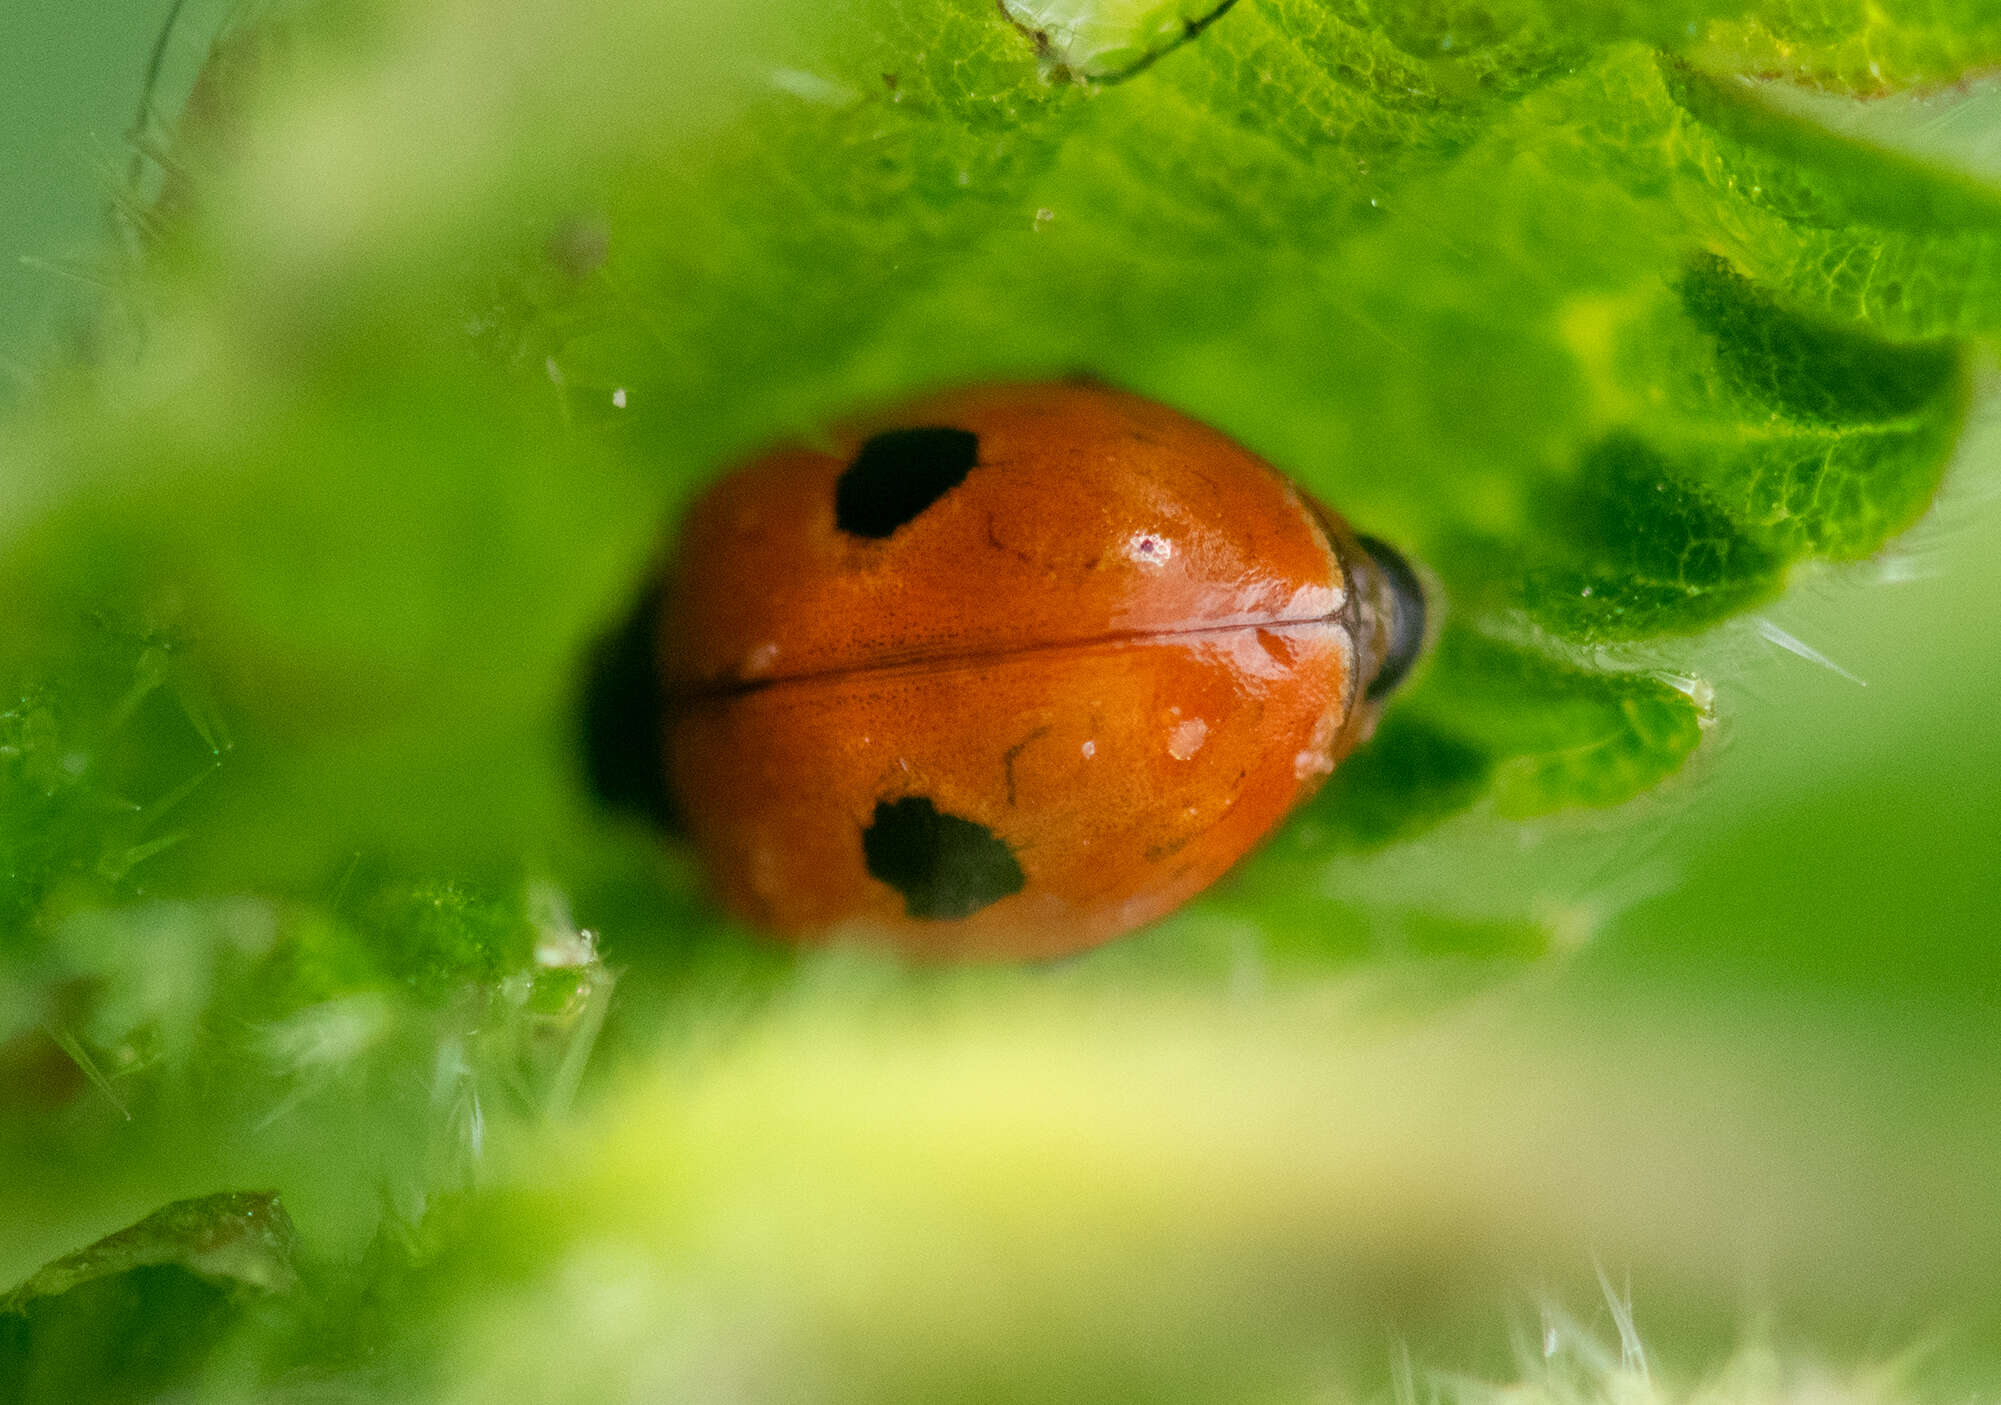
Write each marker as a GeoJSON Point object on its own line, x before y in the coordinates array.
{"type": "Point", "coordinates": [1855, 233]}
{"type": "Point", "coordinates": [1500, 721]}
{"type": "Point", "coordinates": [1554, 736]}
{"type": "Point", "coordinates": [141, 1311]}
{"type": "Point", "coordinates": [1863, 46]}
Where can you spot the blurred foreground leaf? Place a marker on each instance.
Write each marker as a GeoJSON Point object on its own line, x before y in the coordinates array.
{"type": "Point", "coordinates": [137, 1313]}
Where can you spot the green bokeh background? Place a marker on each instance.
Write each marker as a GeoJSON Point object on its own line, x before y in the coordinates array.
{"type": "Point", "coordinates": [1828, 869]}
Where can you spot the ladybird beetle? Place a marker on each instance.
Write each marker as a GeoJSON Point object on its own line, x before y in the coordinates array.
{"type": "Point", "coordinates": [1011, 671]}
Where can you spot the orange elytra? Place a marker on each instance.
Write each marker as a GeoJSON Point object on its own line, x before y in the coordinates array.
{"type": "Point", "coordinates": [1010, 671]}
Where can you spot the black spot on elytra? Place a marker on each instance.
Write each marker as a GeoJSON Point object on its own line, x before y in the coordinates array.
{"type": "Point", "coordinates": [899, 473]}
{"type": "Point", "coordinates": [1407, 623]}
{"type": "Point", "coordinates": [944, 866]}
{"type": "Point", "coordinates": [624, 711]}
